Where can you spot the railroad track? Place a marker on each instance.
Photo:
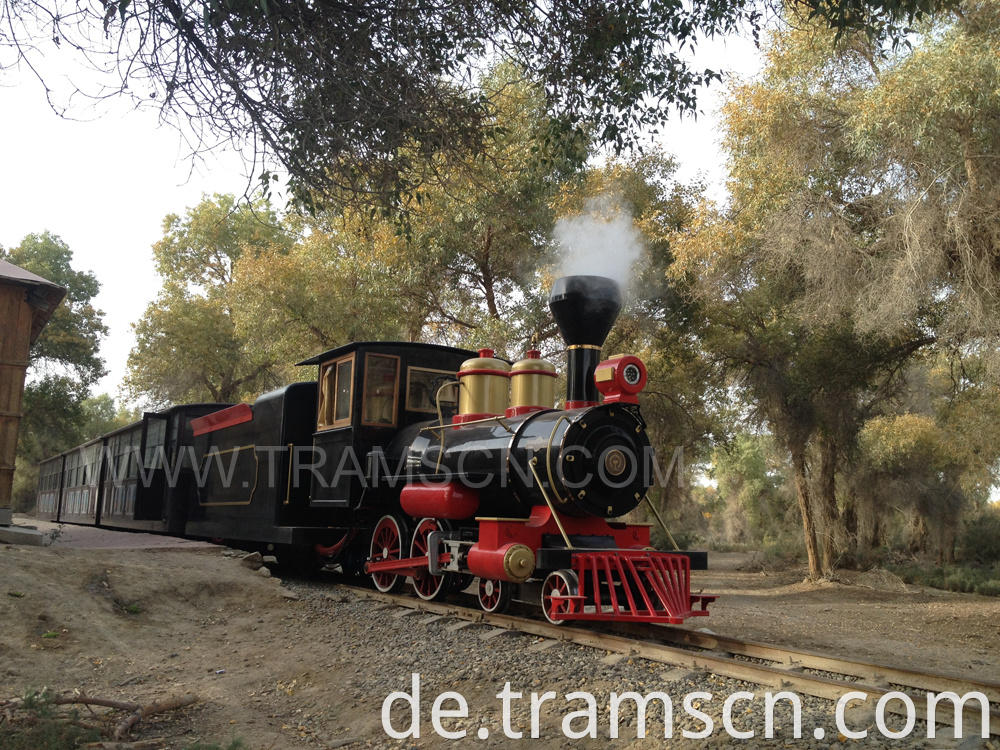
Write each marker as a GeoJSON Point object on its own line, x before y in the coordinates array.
{"type": "Point", "coordinates": [786, 669]}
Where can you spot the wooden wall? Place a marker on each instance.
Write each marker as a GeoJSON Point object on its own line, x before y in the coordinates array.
{"type": "Point", "coordinates": [15, 342]}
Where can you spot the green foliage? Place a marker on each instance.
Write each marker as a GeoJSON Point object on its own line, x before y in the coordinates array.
{"type": "Point", "coordinates": [755, 496]}
{"type": "Point", "coordinates": [351, 103]}
{"type": "Point", "coordinates": [964, 579]}
{"type": "Point", "coordinates": [69, 343]}
{"type": "Point", "coordinates": [188, 348]}
{"type": "Point", "coordinates": [463, 269]}
{"type": "Point", "coordinates": [45, 731]}
{"type": "Point", "coordinates": [980, 541]}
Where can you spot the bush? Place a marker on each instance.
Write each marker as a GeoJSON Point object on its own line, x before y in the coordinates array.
{"type": "Point", "coordinates": [44, 729]}
{"type": "Point", "coordinates": [962, 578]}
{"type": "Point", "coordinates": [980, 541]}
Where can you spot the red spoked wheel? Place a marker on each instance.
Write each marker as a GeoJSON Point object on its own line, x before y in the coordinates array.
{"type": "Point", "coordinates": [494, 595]}
{"type": "Point", "coordinates": [387, 544]}
{"type": "Point", "coordinates": [426, 585]}
{"type": "Point", "coordinates": [559, 586]}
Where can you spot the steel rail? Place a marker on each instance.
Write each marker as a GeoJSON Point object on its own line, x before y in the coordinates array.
{"type": "Point", "coordinates": [788, 677]}
{"type": "Point", "coordinates": [878, 674]}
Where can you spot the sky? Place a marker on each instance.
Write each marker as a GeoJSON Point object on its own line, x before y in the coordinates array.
{"type": "Point", "coordinates": [105, 181]}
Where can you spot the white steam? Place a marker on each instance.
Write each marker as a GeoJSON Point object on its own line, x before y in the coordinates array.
{"type": "Point", "coordinates": [602, 241]}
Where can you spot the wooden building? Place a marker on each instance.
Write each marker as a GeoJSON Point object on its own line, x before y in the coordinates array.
{"type": "Point", "coordinates": [27, 302]}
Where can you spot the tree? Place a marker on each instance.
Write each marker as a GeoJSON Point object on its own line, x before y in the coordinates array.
{"type": "Point", "coordinates": [812, 374]}
{"type": "Point", "coordinates": [352, 98]}
{"type": "Point", "coordinates": [755, 497]}
{"type": "Point", "coordinates": [68, 346]}
{"type": "Point", "coordinates": [187, 345]}
{"type": "Point", "coordinates": [465, 269]}
{"type": "Point", "coordinates": [933, 122]}
{"type": "Point", "coordinates": [331, 288]}
{"type": "Point", "coordinates": [863, 194]}
{"type": "Point", "coordinates": [64, 362]}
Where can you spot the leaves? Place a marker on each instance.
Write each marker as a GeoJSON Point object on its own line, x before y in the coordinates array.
{"type": "Point", "coordinates": [188, 348]}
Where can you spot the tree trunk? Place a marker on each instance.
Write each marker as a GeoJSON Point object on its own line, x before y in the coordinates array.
{"type": "Point", "coordinates": [802, 490]}
{"type": "Point", "coordinates": [828, 501]}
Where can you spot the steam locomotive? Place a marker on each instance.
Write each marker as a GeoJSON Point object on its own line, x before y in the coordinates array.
{"type": "Point", "coordinates": [420, 462]}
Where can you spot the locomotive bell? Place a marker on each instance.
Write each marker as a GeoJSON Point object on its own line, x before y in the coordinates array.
{"type": "Point", "coordinates": [584, 308]}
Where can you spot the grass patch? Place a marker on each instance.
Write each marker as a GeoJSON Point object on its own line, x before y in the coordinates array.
{"type": "Point", "coordinates": [234, 745]}
{"type": "Point", "coordinates": [967, 579]}
{"type": "Point", "coordinates": [42, 729]}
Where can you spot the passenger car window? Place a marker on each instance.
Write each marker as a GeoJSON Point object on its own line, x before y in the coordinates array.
{"type": "Point", "coordinates": [156, 438]}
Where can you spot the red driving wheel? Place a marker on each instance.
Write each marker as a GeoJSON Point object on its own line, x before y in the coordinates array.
{"type": "Point", "coordinates": [387, 544]}
{"type": "Point", "coordinates": [426, 585]}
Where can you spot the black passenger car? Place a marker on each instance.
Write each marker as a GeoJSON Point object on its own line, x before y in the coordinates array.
{"type": "Point", "coordinates": [138, 477]}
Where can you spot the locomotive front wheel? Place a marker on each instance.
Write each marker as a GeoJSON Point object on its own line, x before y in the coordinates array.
{"type": "Point", "coordinates": [494, 595]}
{"type": "Point", "coordinates": [426, 585]}
{"type": "Point", "coordinates": [558, 587]}
{"type": "Point", "coordinates": [387, 544]}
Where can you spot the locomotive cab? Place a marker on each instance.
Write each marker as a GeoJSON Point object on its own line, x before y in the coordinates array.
{"type": "Point", "coordinates": [368, 392]}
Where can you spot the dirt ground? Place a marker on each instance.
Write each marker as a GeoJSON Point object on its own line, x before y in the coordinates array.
{"type": "Point", "coordinates": [151, 623]}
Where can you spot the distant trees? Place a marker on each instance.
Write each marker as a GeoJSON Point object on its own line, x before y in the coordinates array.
{"type": "Point", "coordinates": [188, 348]}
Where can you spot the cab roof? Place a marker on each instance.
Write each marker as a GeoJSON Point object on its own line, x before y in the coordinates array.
{"type": "Point", "coordinates": [340, 351]}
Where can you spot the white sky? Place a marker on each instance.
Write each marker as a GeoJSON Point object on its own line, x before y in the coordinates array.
{"type": "Point", "coordinates": [105, 184]}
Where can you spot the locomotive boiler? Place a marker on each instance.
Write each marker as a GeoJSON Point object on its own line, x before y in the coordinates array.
{"type": "Point", "coordinates": [422, 463]}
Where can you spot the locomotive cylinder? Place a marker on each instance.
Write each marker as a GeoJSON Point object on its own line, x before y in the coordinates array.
{"type": "Point", "coordinates": [512, 562]}
{"type": "Point", "coordinates": [584, 308]}
{"type": "Point", "coordinates": [485, 387]}
{"type": "Point", "coordinates": [532, 384]}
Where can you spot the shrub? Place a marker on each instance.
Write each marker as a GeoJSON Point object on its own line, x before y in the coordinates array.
{"type": "Point", "coordinates": [962, 578]}
{"type": "Point", "coordinates": [981, 539]}
{"type": "Point", "coordinates": [45, 730]}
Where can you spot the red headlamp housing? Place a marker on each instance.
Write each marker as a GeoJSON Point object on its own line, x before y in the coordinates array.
{"type": "Point", "coordinates": [621, 378]}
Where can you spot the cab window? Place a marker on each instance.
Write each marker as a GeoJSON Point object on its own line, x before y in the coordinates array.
{"type": "Point", "coordinates": [381, 389]}
{"type": "Point", "coordinates": [335, 382]}
{"type": "Point", "coordinates": [422, 388]}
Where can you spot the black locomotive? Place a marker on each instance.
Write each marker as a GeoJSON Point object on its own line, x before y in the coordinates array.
{"type": "Point", "coordinates": [421, 462]}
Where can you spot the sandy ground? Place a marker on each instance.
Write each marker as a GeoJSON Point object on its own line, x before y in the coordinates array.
{"type": "Point", "coordinates": [140, 618]}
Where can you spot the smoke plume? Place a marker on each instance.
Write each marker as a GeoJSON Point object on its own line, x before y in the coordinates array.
{"type": "Point", "coordinates": [602, 241]}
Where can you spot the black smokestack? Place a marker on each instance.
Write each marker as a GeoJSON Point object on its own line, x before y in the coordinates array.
{"type": "Point", "coordinates": [584, 308]}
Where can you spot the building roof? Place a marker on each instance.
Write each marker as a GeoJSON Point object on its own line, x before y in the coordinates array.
{"type": "Point", "coordinates": [43, 296]}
